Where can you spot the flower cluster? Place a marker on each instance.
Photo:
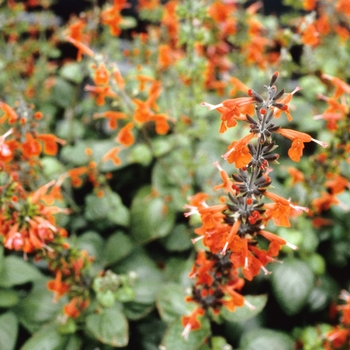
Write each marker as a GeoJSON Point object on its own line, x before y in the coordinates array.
{"type": "Point", "coordinates": [233, 232]}
{"type": "Point", "coordinates": [339, 336]}
{"type": "Point", "coordinates": [27, 211]}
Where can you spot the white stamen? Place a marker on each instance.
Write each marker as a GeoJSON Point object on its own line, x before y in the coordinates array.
{"type": "Point", "coordinates": [323, 144]}
{"type": "Point", "coordinates": [193, 210]}
{"type": "Point", "coordinates": [299, 209]}
{"type": "Point", "coordinates": [290, 245]}
{"type": "Point", "coordinates": [247, 303]}
{"type": "Point", "coordinates": [228, 153]}
{"type": "Point", "coordinates": [186, 332]}
{"type": "Point", "coordinates": [224, 249]}
{"type": "Point", "coordinates": [266, 272]}
{"type": "Point", "coordinates": [210, 106]}
{"type": "Point", "coordinates": [246, 262]}
{"type": "Point", "coordinates": [194, 240]}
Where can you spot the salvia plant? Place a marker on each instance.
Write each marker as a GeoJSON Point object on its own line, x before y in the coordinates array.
{"type": "Point", "coordinates": [238, 246]}
{"type": "Point", "coordinates": [104, 139]}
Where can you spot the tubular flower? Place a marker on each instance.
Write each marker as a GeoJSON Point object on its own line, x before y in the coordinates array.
{"type": "Point", "coordinates": [298, 138]}
{"type": "Point", "coordinates": [192, 323]}
{"type": "Point", "coordinates": [340, 85]}
{"type": "Point", "coordinates": [125, 136]}
{"type": "Point", "coordinates": [233, 233]}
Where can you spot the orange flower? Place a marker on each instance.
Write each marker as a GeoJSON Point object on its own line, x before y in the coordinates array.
{"type": "Point", "coordinates": [337, 184]}
{"type": "Point", "coordinates": [285, 100]}
{"type": "Point", "coordinates": [238, 152]}
{"type": "Point", "coordinates": [281, 210]}
{"type": "Point", "coordinates": [297, 175]}
{"type": "Point", "coordinates": [101, 93]}
{"type": "Point", "coordinates": [324, 202]}
{"type": "Point", "coordinates": [309, 5]}
{"type": "Point", "coordinates": [101, 76]}
{"type": "Point", "coordinates": [343, 6]}
{"type": "Point", "coordinates": [125, 136]}
{"type": "Point", "coordinates": [162, 126]}
{"type": "Point", "coordinates": [191, 323]}
{"type": "Point", "coordinates": [9, 113]}
{"type": "Point", "coordinates": [75, 175]}
{"type": "Point", "coordinates": [31, 147]}
{"type": "Point", "coordinates": [82, 48]}
{"type": "Point", "coordinates": [310, 35]}
{"type": "Point", "coordinates": [298, 138]}
{"type": "Point", "coordinates": [50, 143]}
{"type": "Point", "coordinates": [112, 155]}
{"type": "Point", "coordinates": [340, 85]}
{"type": "Point", "coordinates": [112, 17]}
{"type": "Point", "coordinates": [57, 286]}
{"type": "Point", "coordinates": [165, 58]}
{"type": "Point", "coordinates": [112, 116]}
{"type": "Point", "coordinates": [75, 307]}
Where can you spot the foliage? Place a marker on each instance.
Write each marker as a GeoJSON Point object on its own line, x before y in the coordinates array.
{"type": "Point", "coordinates": [109, 164]}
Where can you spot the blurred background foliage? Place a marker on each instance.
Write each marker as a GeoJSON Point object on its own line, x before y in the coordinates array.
{"type": "Point", "coordinates": [129, 216]}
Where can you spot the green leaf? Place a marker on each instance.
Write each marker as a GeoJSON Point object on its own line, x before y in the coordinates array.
{"type": "Point", "coordinates": [292, 283]}
{"type": "Point", "coordinates": [52, 167]}
{"type": "Point", "coordinates": [8, 297]}
{"type": "Point", "coordinates": [93, 243]}
{"type": "Point", "coordinates": [72, 72]}
{"type": "Point", "coordinates": [174, 340]}
{"type": "Point", "coordinates": [265, 339]}
{"type": "Point", "coordinates": [37, 307]}
{"type": "Point", "coordinates": [171, 302]}
{"type": "Point", "coordinates": [151, 217]}
{"type": "Point", "coordinates": [8, 331]}
{"type": "Point", "coordinates": [141, 154]}
{"type": "Point", "coordinates": [109, 326]}
{"type": "Point", "coordinates": [244, 313]}
{"type": "Point", "coordinates": [17, 271]}
{"type": "Point", "coordinates": [62, 93]}
{"type": "Point", "coordinates": [178, 240]}
{"type": "Point", "coordinates": [117, 247]}
{"type": "Point", "coordinates": [148, 275]}
{"type": "Point", "coordinates": [135, 311]}
{"type": "Point", "coordinates": [2, 258]}
{"type": "Point", "coordinates": [70, 129]}
{"type": "Point", "coordinates": [47, 338]}
{"type": "Point", "coordinates": [108, 207]}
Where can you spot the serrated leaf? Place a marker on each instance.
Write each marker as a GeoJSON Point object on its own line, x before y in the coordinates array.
{"type": "Point", "coordinates": [171, 302]}
{"type": "Point", "coordinates": [151, 217]}
{"type": "Point", "coordinates": [292, 283]}
{"type": "Point", "coordinates": [266, 339]}
{"type": "Point", "coordinates": [8, 331]}
{"type": "Point", "coordinates": [244, 313]}
{"type": "Point", "coordinates": [17, 271]}
{"type": "Point", "coordinates": [174, 340]}
{"type": "Point", "coordinates": [109, 326]}
{"type": "Point", "coordinates": [117, 247]}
